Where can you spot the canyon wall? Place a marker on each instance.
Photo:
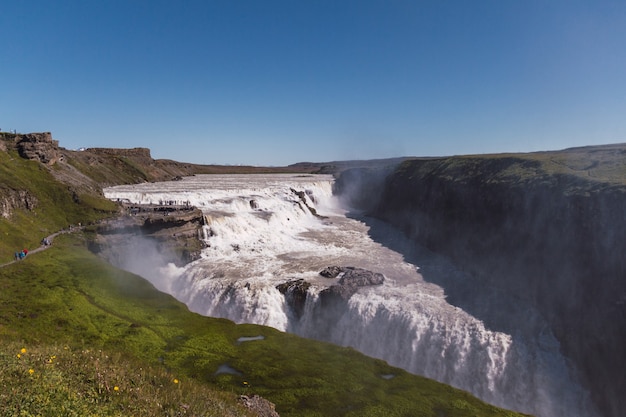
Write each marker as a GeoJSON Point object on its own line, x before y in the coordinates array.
{"type": "Point", "coordinates": [547, 229]}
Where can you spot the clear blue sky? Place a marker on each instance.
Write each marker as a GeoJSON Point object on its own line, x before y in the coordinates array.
{"type": "Point", "coordinates": [269, 82]}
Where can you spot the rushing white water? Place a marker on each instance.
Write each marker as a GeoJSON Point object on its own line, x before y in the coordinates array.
{"type": "Point", "coordinates": [260, 232]}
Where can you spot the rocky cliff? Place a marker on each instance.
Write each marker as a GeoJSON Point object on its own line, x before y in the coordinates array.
{"type": "Point", "coordinates": [87, 171]}
{"type": "Point", "coordinates": [172, 232]}
{"type": "Point", "coordinates": [38, 147]}
{"type": "Point", "coordinates": [546, 228]}
{"type": "Point", "coordinates": [11, 200]}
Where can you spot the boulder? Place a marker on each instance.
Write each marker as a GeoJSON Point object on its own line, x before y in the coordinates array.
{"type": "Point", "coordinates": [359, 277]}
{"type": "Point", "coordinates": [351, 279]}
{"type": "Point", "coordinates": [259, 405]}
{"type": "Point", "coordinates": [331, 271]}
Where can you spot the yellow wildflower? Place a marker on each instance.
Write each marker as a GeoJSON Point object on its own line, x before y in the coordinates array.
{"type": "Point", "coordinates": [23, 350]}
{"type": "Point", "coordinates": [31, 371]}
{"type": "Point", "coordinates": [116, 388]}
{"type": "Point", "coordinates": [19, 356]}
{"type": "Point", "coordinates": [175, 381]}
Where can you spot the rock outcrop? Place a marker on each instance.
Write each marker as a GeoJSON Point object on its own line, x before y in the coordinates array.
{"type": "Point", "coordinates": [128, 152]}
{"type": "Point", "coordinates": [259, 405]}
{"type": "Point", "coordinates": [11, 200]}
{"type": "Point", "coordinates": [39, 147]}
{"type": "Point", "coordinates": [173, 233]}
{"type": "Point", "coordinates": [295, 292]}
{"type": "Point", "coordinates": [547, 229]}
{"type": "Point", "coordinates": [336, 295]}
{"type": "Point", "coordinates": [350, 280]}
{"type": "Point", "coordinates": [331, 271]}
{"type": "Point", "coordinates": [302, 195]}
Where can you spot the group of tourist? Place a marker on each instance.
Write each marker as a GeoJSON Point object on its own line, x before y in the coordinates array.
{"type": "Point", "coordinates": [22, 254]}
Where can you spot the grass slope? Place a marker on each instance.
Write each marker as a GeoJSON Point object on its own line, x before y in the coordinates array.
{"type": "Point", "coordinates": [55, 381]}
{"type": "Point", "coordinates": [603, 165]}
{"type": "Point", "coordinates": [65, 296]}
{"type": "Point", "coordinates": [55, 206]}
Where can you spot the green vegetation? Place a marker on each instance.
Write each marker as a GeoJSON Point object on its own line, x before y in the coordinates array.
{"type": "Point", "coordinates": [65, 296]}
{"type": "Point", "coordinates": [88, 328]}
{"type": "Point", "coordinates": [52, 206]}
{"type": "Point", "coordinates": [575, 171]}
{"type": "Point", "coordinates": [52, 381]}
{"type": "Point", "coordinates": [117, 169]}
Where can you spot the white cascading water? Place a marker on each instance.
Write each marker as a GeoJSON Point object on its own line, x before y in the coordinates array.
{"type": "Point", "coordinates": [260, 232]}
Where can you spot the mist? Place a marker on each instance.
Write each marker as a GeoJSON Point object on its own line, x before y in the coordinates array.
{"type": "Point", "coordinates": [147, 258]}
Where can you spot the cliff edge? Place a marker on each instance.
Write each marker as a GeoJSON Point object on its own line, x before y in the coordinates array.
{"type": "Point", "coordinates": [545, 228]}
{"type": "Point", "coordinates": [172, 231]}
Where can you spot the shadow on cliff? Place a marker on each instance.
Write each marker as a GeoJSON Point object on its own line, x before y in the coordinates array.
{"type": "Point", "coordinates": [520, 237]}
{"type": "Point", "coordinates": [498, 310]}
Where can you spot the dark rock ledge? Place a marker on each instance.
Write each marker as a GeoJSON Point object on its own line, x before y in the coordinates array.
{"type": "Point", "coordinates": [350, 280]}
{"type": "Point", "coordinates": [174, 231]}
{"type": "Point", "coordinates": [295, 292]}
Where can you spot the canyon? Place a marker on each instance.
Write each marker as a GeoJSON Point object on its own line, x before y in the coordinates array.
{"type": "Point", "coordinates": [511, 247]}
{"type": "Point", "coordinates": [272, 243]}
{"type": "Point", "coordinates": [545, 230]}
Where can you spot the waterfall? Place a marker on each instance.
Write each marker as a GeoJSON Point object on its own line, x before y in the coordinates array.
{"type": "Point", "coordinates": [264, 230]}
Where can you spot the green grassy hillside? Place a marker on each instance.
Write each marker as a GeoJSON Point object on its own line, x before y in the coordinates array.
{"type": "Point", "coordinates": [65, 296]}
{"type": "Point", "coordinates": [37, 205]}
{"type": "Point", "coordinates": [594, 164]}
{"type": "Point", "coordinates": [80, 337]}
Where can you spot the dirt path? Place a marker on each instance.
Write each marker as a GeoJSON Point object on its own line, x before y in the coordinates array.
{"type": "Point", "coordinates": [43, 247]}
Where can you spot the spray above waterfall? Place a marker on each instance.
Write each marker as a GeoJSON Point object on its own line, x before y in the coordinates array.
{"type": "Point", "coordinates": [263, 231]}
